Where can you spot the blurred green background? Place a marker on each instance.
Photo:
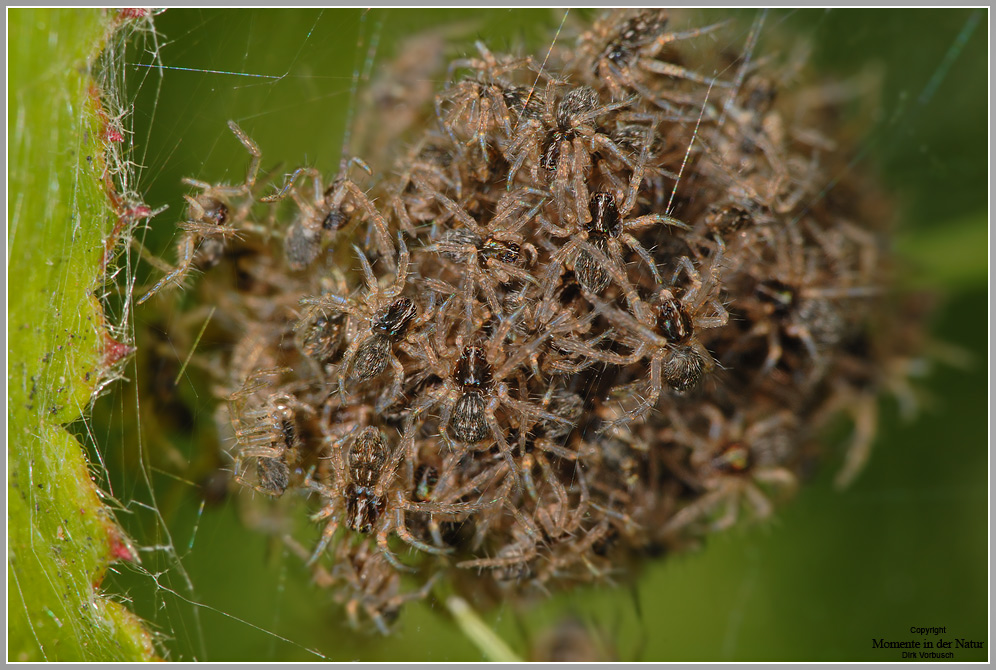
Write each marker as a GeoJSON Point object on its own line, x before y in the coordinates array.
{"type": "Point", "coordinates": [905, 546]}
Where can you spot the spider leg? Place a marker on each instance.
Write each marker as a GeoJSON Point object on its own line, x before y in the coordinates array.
{"type": "Point", "coordinates": [387, 398]}
{"type": "Point", "coordinates": [188, 248]}
{"type": "Point", "coordinates": [253, 150]}
{"type": "Point", "coordinates": [580, 168]}
{"type": "Point", "coordinates": [289, 186]}
{"type": "Point", "coordinates": [384, 245]}
{"type": "Point", "coordinates": [385, 549]}
{"type": "Point", "coordinates": [401, 530]}
{"type": "Point", "coordinates": [402, 273]}
{"type": "Point", "coordinates": [327, 534]}
{"type": "Point", "coordinates": [678, 72]}
{"type": "Point", "coordinates": [641, 251]}
{"type": "Point", "coordinates": [654, 390]}
{"type": "Point", "coordinates": [368, 274]}
{"type": "Point", "coordinates": [503, 447]}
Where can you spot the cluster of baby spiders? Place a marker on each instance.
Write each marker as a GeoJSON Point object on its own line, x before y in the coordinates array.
{"type": "Point", "coordinates": [581, 320]}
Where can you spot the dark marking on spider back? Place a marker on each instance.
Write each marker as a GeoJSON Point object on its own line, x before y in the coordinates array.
{"type": "Point", "coordinates": [469, 421]}
{"type": "Point", "coordinates": [334, 220]}
{"type": "Point", "coordinates": [576, 104]}
{"type": "Point", "coordinates": [321, 338]}
{"type": "Point", "coordinates": [393, 320]}
{"type": "Point", "coordinates": [684, 368]}
{"type": "Point", "coordinates": [639, 30]}
{"type": "Point", "coordinates": [567, 405]}
{"type": "Point", "coordinates": [473, 370]}
{"type": "Point", "coordinates": [371, 358]}
{"type": "Point", "coordinates": [604, 215]}
{"type": "Point", "coordinates": [363, 508]}
{"type": "Point", "coordinates": [551, 150]}
{"type": "Point", "coordinates": [728, 219]}
{"type": "Point", "coordinates": [273, 474]}
{"type": "Point", "coordinates": [589, 272]}
{"type": "Point", "coordinates": [674, 322]}
{"type": "Point", "coordinates": [524, 102]}
{"type": "Point", "coordinates": [366, 457]}
{"type": "Point", "coordinates": [460, 237]}
{"type": "Point", "coordinates": [499, 250]}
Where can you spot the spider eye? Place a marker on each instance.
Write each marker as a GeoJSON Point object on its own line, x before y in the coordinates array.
{"type": "Point", "coordinates": [363, 508]}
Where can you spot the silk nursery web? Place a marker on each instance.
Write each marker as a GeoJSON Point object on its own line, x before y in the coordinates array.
{"type": "Point", "coordinates": [502, 306]}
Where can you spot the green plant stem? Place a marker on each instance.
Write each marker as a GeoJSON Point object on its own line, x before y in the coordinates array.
{"type": "Point", "coordinates": [61, 536]}
{"type": "Point", "coordinates": [479, 633]}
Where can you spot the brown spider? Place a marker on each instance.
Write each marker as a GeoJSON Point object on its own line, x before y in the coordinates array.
{"type": "Point", "coordinates": [368, 584]}
{"type": "Point", "coordinates": [328, 210]}
{"type": "Point", "coordinates": [320, 334]}
{"type": "Point", "coordinates": [374, 588]}
{"type": "Point", "coordinates": [358, 495]}
{"type": "Point", "coordinates": [799, 295]}
{"type": "Point", "coordinates": [365, 497]}
{"type": "Point", "coordinates": [678, 360]}
{"type": "Point", "coordinates": [730, 462]}
{"type": "Point", "coordinates": [210, 219]}
{"type": "Point", "coordinates": [489, 263]}
{"type": "Point", "coordinates": [459, 483]}
{"type": "Point", "coordinates": [512, 562]}
{"type": "Point", "coordinates": [555, 512]}
{"type": "Point", "coordinates": [565, 404]}
{"type": "Point", "coordinates": [434, 163]}
{"type": "Point", "coordinates": [478, 105]}
{"type": "Point", "coordinates": [368, 358]}
{"type": "Point", "coordinates": [595, 250]}
{"type": "Point", "coordinates": [469, 398]}
{"type": "Point", "coordinates": [320, 331]}
{"type": "Point", "coordinates": [563, 146]}
{"type": "Point", "coordinates": [630, 51]}
{"type": "Point", "coordinates": [389, 318]}
{"type": "Point", "coordinates": [267, 434]}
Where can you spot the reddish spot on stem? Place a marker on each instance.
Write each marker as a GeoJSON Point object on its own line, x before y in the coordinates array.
{"type": "Point", "coordinates": [134, 12]}
{"type": "Point", "coordinates": [126, 217]}
{"type": "Point", "coordinates": [123, 552]}
{"type": "Point", "coordinates": [115, 351]}
{"type": "Point", "coordinates": [120, 548]}
{"type": "Point", "coordinates": [135, 213]}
